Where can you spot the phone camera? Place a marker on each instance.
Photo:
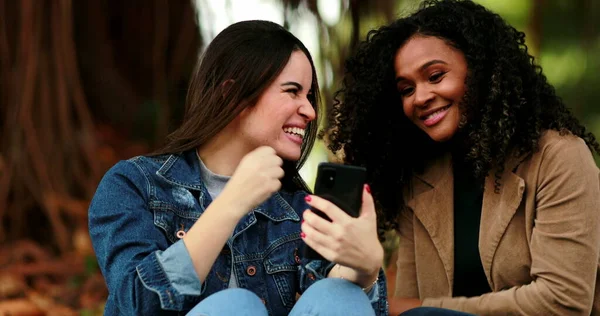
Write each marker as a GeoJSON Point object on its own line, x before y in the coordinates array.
{"type": "Point", "coordinates": [329, 178]}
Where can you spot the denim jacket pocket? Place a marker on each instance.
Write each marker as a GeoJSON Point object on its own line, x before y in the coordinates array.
{"type": "Point", "coordinates": [282, 265]}
{"type": "Point", "coordinates": [173, 220]}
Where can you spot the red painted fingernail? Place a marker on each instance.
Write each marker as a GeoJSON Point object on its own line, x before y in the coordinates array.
{"type": "Point", "coordinates": [302, 234]}
{"type": "Point", "coordinates": [368, 188]}
{"type": "Point", "coordinates": [307, 198]}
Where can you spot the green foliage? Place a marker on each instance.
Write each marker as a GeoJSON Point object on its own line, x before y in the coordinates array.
{"type": "Point", "coordinates": [516, 12]}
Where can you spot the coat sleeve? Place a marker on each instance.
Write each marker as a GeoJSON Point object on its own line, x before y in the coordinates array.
{"type": "Point", "coordinates": [564, 245]}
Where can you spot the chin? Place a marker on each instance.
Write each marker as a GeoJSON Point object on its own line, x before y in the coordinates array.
{"type": "Point", "coordinates": [443, 133]}
{"type": "Point", "coordinates": [291, 155]}
{"type": "Point", "coordinates": [442, 136]}
{"type": "Point", "coordinates": [441, 139]}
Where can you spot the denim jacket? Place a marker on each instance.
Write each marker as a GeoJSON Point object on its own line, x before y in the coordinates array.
{"type": "Point", "coordinates": [134, 218]}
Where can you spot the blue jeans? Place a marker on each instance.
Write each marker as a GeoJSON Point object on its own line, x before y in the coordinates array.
{"type": "Point", "coordinates": [330, 296]}
{"type": "Point", "coordinates": [433, 311]}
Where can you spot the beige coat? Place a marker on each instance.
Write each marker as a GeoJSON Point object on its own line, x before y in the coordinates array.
{"type": "Point", "coordinates": [539, 238]}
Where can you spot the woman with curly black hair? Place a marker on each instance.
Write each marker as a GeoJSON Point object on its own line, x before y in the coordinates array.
{"type": "Point", "coordinates": [476, 162]}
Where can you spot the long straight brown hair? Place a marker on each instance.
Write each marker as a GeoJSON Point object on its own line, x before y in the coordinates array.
{"type": "Point", "coordinates": [235, 69]}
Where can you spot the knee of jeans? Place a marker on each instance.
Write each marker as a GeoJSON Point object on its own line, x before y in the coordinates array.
{"type": "Point", "coordinates": [337, 283]}
{"type": "Point", "coordinates": [333, 296]}
{"type": "Point", "coordinates": [229, 301]}
{"type": "Point", "coordinates": [335, 290]}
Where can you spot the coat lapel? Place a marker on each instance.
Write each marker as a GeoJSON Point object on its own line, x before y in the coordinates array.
{"type": "Point", "coordinates": [497, 211]}
{"type": "Point", "coordinates": [433, 205]}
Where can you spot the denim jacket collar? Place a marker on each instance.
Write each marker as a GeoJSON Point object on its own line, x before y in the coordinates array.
{"type": "Point", "coordinates": [184, 170]}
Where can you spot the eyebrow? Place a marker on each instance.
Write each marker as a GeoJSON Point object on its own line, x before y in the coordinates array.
{"type": "Point", "coordinates": [425, 65]}
{"type": "Point", "coordinates": [292, 83]}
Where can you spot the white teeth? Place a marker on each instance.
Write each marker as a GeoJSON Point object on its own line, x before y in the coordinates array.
{"type": "Point", "coordinates": [432, 115]}
{"type": "Point", "coordinates": [294, 130]}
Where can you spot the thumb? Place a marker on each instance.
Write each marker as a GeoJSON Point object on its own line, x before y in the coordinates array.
{"type": "Point", "coordinates": [368, 206]}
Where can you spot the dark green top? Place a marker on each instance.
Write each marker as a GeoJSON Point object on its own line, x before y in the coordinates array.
{"type": "Point", "coordinates": [469, 277]}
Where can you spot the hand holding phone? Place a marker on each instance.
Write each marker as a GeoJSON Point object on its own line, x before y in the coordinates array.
{"type": "Point", "coordinates": [342, 185]}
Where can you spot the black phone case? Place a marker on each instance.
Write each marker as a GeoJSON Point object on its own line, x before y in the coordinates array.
{"type": "Point", "coordinates": [344, 190]}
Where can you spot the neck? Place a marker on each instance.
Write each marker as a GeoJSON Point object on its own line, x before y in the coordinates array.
{"type": "Point", "coordinates": [222, 153]}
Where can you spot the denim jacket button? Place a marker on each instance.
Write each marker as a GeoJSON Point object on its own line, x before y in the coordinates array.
{"type": "Point", "coordinates": [180, 234]}
{"type": "Point", "coordinates": [251, 270]}
{"type": "Point", "coordinates": [296, 257]}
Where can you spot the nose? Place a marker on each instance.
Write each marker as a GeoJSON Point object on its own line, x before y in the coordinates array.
{"type": "Point", "coordinates": [307, 110]}
{"type": "Point", "coordinates": [423, 96]}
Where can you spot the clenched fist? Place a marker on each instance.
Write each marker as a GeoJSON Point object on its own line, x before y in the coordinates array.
{"type": "Point", "coordinates": [255, 179]}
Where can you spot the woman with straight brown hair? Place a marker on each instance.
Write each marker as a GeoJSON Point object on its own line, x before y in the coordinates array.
{"type": "Point", "coordinates": [211, 223]}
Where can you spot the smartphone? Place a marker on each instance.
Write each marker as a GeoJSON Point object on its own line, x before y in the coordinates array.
{"type": "Point", "coordinates": [342, 185]}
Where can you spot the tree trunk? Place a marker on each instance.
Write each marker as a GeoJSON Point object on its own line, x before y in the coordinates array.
{"type": "Point", "coordinates": [59, 81]}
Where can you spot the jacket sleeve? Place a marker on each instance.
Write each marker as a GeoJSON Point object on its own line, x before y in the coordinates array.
{"type": "Point", "coordinates": [378, 295]}
{"type": "Point", "coordinates": [565, 241]}
{"type": "Point", "coordinates": [406, 273]}
{"type": "Point", "coordinates": [145, 275]}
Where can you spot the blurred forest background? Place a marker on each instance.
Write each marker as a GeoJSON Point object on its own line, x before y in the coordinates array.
{"type": "Point", "coordinates": [86, 83]}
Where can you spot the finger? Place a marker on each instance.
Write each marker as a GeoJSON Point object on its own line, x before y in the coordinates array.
{"type": "Point", "coordinates": [368, 205]}
{"type": "Point", "coordinates": [278, 172]}
{"type": "Point", "coordinates": [317, 241]}
{"type": "Point", "coordinates": [276, 186]}
{"type": "Point", "coordinates": [265, 150]}
{"type": "Point", "coordinates": [270, 159]}
{"type": "Point", "coordinates": [315, 235]}
{"type": "Point", "coordinates": [273, 159]}
{"type": "Point", "coordinates": [270, 173]}
{"type": "Point", "coordinates": [325, 206]}
{"type": "Point", "coordinates": [272, 167]}
{"type": "Point", "coordinates": [319, 223]}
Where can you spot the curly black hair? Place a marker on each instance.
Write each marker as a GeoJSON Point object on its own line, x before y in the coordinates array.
{"type": "Point", "coordinates": [508, 101]}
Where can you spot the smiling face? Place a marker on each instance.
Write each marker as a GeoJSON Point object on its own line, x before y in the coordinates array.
{"type": "Point", "coordinates": [430, 76]}
{"type": "Point", "coordinates": [281, 115]}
